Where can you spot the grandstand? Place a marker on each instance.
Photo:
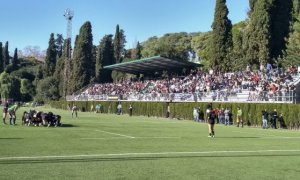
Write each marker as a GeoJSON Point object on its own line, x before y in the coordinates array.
{"type": "Point", "coordinates": [274, 86]}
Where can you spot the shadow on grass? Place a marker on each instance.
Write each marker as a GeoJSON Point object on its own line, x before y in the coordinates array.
{"type": "Point", "coordinates": [67, 126]}
{"type": "Point", "coordinates": [120, 159]}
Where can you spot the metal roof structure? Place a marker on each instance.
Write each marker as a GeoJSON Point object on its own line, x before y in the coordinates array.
{"type": "Point", "coordinates": [151, 65]}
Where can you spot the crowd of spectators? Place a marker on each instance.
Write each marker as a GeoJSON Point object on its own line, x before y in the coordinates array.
{"type": "Point", "coordinates": [260, 85]}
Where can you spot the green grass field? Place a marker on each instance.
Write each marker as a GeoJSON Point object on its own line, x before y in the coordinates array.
{"type": "Point", "coordinates": [107, 146]}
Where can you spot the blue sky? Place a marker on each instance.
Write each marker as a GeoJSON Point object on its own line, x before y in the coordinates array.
{"type": "Point", "coordinates": [30, 22]}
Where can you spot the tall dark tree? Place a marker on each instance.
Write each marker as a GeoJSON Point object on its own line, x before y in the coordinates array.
{"type": "Point", "coordinates": [123, 42]}
{"type": "Point", "coordinates": [281, 17]}
{"type": "Point", "coordinates": [293, 46]}
{"type": "Point", "coordinates": [60, 69]}
{"type": "Point", "coordinates": [93, 64]}
{"type": "Point", "coordinates": [1, 59]}
{"type": "Point", "coordinates": [59, 42]}
{"type": "Point", "coordinates": [15, 60]}
{"type": "Point", "coordinates": [119, 44]}
{"type": "Point", "coordinates": [50, 60]}
{"type": "Point", "coordinates": [6, 55]}
{"type": "Point", "coordinates": [221, 38]}
{"type": "Point", "coordinates": [258, 34]}
{"type": "Point", "coordinates": [105, 57]}
{"type": "Point", "coordinates": [82, 59]}
{"type": "Point", "coordinates": [138, 51]}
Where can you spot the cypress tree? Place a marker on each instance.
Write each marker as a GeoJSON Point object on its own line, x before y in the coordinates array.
{"type": "Point", "coordinates": [68, 76]}
{"type": "Point", "coordinates": [59, 42]}
{"type": "Point", "coordinates": [93, 64]}
{"type": "Point", "coordinates": [138, 51]}
{"type": "Point", "coordinates": [1, 59]}
{"type": "Point", "coordinates": [258, 34]}
{"type": "Point", "coordinates": [82, 59]}
{"type": "Point", "coordinates": [15, 60]}
{"type": "Point", "coordinates": [60, 69]}
{"type": "Point", "coordinates": [50, 60]}
{"type": "Point", "coordinates": [123, 42]}
{"type": "Point", "coordinates": [105, 57]}
{"type": "Point", "coordinates": [117, 44]}
{"type": "Point", "coordinates": [281, 17]}
{"type": "Point", "coordinates": [221, 38]}
{"type": "Point", "coordinates": [6, 55]}
{"type": "Point", "coordinates": [293, 46]}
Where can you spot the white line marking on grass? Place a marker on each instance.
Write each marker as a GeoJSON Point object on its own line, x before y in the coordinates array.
{"type": "Point", "coordinates": [158, 137]}
{"type": "Point", "coordinates": [107, 138]}
{"type": "Point", "coordinates": [135, 138]}
{"type": "Point", "coordinates": [115, 134]}
{"type": "Point", "coordinates": [146, 154]}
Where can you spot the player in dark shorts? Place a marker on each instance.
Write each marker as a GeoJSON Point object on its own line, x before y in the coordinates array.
{"type": "Point", "coordinates": [211, 123]}
{"type": "Point", "coordinates": [5, 111]}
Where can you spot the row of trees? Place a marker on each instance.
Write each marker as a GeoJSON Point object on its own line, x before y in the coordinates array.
{"type": "Point", "coordinates": [6, 62]}
{"type": "Point", "coordinates": [268, 35]}
{"type": "Point", "coordinates": [15, 82]}
{"type": "Point", "coordinates": [86, 65]}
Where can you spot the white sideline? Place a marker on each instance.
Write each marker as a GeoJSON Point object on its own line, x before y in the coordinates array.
{"type": "Point", "coordinates": [143, 154]}
{"type": "Point", "coordinates": [115, 134]}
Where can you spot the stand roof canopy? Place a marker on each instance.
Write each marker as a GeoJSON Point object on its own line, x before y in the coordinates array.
{"type": "Point", "coordinates": [151, 65]}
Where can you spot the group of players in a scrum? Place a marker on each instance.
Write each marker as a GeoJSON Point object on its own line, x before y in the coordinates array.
{"type": "Point", "coordinates": [39, 118]}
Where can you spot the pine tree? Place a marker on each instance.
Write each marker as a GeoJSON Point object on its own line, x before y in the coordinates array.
{"type": "Point", "coordinates": [50, 60]}
{"type": "Point", "coordinates": [15, 60]}
{"type": "Point", "coordinates": [6, 55]}
{"type": "Point", "coordinates": [221, 38]}
{"type": "Point", "coordinates": [1, 59]}
{"type": "Point", "coordinates": [105, 57]}
{"type": "Point", "coordinates": [83, 57]}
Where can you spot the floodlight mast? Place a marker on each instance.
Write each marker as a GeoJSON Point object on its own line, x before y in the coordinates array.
{"type": "Point", "coordinates": [68, 14]}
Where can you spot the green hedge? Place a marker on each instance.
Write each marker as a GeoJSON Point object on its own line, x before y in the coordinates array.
{"type": "Point", "coordinates": [251, 111]}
